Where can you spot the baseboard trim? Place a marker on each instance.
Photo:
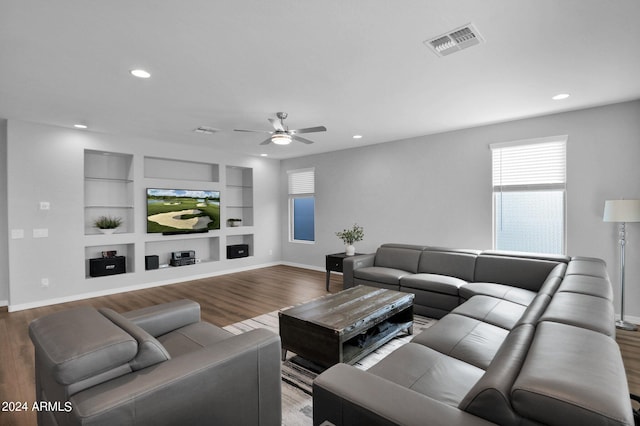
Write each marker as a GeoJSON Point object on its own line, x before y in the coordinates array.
{"type": "Point", "coordinates": [302, 266]}
{"type": "Point", "coordinates": [108, 292]}
{"type": "Point", "coordinates": [4, 303]}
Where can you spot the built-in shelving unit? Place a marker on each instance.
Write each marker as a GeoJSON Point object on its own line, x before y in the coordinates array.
{"type": "Point", "coordinates": [108, 189]}
{"type": "Point", "coordinates": [239, 194]}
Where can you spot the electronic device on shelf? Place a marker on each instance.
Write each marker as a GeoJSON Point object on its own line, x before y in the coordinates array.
{"type": "Point", "coordinates": [103, 266]}
{"type": "Point", "coordinates": [236, 251]}
{"type": "Point", "coordinates": [182, 258]}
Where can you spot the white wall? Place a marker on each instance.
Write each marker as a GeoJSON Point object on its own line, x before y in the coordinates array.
{"type": "Point", "coordinates": [4, 247]}
{"type": "Point", "coordinates": [436, 189]}
{"type": "Point", "coordinates": [46, 163]}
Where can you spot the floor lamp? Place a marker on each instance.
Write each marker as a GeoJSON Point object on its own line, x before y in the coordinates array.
{"type": "Point", "coordinates": [622, 211]}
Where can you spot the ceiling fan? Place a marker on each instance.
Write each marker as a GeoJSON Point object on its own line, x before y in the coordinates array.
{"type": "Point", "coordinates": [281, 135]}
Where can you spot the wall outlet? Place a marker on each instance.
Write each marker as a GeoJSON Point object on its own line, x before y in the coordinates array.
{"type": "Point", "coordinates": [45, 205]}
{"type": "Point", "coordinates": [270, 252]}
{"type": "Point", "coordinates": [44, 282]}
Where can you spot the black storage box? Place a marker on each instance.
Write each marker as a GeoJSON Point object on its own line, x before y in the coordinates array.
{"type": "Point", "coordinates": [237, 250]}
{"type": "Point", "coordinates": [107, 266]}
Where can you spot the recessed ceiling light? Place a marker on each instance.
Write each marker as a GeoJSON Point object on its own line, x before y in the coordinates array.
{"type": "Point", "coordinates": [264, 155]}
{"type": "Point", "coordinates": [80, 126]}
{"type": "Point", "coordinates": [560, 96]}
{"type": "Point", "coordinates": [140, 73]}
{"type": "Point", "coordinates": [357, 136]}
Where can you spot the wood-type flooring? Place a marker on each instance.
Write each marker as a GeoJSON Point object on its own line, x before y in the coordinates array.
{"type": "Point", "coordinates": [224, 300]}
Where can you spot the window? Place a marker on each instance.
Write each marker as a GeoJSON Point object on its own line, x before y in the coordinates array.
{"type": "Point", "coordinates": [529, 185]}
{"type": "Point", "coordinates": [302, 205]}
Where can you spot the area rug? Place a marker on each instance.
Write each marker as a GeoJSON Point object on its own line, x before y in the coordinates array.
{"type": "Point", "coordinates": [298, 375]}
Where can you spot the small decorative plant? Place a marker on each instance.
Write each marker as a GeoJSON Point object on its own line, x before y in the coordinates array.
{"type": "Point", "coordinates": [350, 236]}
{"type": "Point", "coordinates": [107, 222]}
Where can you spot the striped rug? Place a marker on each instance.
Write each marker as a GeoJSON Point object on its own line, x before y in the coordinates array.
{"type": "Point", "coordinates": [297, 376]}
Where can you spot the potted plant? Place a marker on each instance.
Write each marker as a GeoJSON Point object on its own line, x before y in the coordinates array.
{"type": "Point", "coordinates": [107, 224]}
{"type": "Point", "coordinates": [350, 236]}
{"type": "Point", "coordinates": [234, 221]}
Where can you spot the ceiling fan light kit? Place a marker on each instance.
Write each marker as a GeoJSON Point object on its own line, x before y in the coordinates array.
{"type": "Point", "coordinates": [281, 139]}
{"type": "Point", "coordinates": [281, 135]}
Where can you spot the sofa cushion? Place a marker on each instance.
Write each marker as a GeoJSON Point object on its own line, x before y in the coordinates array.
{"type": "Point", "coordinates": [379, 274]}
{"type": "Point", "coordinates": [150, 351]}
{"type": "Point", "coordinates": [428, 372]}
{"type": "Point", "coordinates": [161, 319]}
{"type": "Point", "coordinates": [105, 346]}
{"type": "Point", "coordinates": [587, 266]}
{"type": "Point", "coordinates": [522, 272]}
{"type": "Point", "coordinates": [192, 337]}
{"type": "Point", "coordinates": [467, 339]}
{"type": "Point", "coordinates": [498, 312]}
{"type": "Point", "coordinates": [432, 282]}
{"type": "Point", "coordinates": [451, 263]}
{"type": "Point", "coordinates": [586, 284]}
{"type": "Point", "coordinates": [572, 376]}
{"type": "Point", "coordinates": [405, 259]}
{"type": "Point", "coordinates": [501, 291]}
{"type": "Point", "coordinates": [590, 312]}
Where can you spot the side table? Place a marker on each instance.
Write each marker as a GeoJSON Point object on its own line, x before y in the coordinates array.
{"type": "Point", "coordinates": [334, 263]}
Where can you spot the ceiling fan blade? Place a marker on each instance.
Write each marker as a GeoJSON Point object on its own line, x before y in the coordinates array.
{"type": "Point", "coordinates": [309, 130]}
{"type": "Point", "coordinates": [276, 124]}
{"type": "Point", "coordinates": [252, 131]}
{"type": "Point", "coordinates": [300, 139]}
{"type": "Point", "coordinates": [266, 141]}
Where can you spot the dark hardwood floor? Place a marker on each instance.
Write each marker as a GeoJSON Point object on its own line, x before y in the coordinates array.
{"type": "Point", "coordinates": [224, 300]}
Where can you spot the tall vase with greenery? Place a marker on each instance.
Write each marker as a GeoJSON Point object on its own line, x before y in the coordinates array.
{"type": "Point", "coordinates": [350, 236]}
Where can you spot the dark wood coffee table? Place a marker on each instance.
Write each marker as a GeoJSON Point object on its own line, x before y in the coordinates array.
{"type": "Point", "coordinates": [345, 326]}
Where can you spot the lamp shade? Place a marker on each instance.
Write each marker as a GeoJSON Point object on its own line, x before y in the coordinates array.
{"type": "Point", "coordinates": [281, 138]}
{"type": "Point", "coordinates": [621, 211]}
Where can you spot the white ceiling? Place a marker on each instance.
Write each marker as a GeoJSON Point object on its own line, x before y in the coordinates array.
{"type": "Point", "coordinates": [354, 66]}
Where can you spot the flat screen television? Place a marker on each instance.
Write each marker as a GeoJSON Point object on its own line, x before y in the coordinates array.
{"type": "Point", "coordinates": [182, 211]}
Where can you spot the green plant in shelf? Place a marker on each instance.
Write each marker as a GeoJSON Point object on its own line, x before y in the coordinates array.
{"type": "Point", "coordinates": [107, 222]}
{"type": "Point", "coordinates": [234, 221]}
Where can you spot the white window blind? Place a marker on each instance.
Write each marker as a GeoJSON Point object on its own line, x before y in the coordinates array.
{"type": "Point", "coordinates": [529, 179]}
{"type": "Point", "coordinates": [301, 181]}
{"type": "Point", "coordinates": [533, 165]}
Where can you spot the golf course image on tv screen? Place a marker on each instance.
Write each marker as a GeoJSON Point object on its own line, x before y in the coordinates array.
{"type": "Point", "coordinates": [182, 210]}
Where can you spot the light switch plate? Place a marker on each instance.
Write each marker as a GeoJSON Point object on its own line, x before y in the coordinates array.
{"type": "Point", "coordinates": [17, 234]}
{"type": "Point", "coordinates": [40, 233]}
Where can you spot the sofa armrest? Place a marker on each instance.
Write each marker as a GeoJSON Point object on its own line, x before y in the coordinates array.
{"type": "Point", "coordinates": [345, 395]}
{"type": "Point", "coordinates": [166, 317]}
{"type": "Point", "coordinates": [352, 263]}
{"type": "Point", "coordinates": [236, 381]}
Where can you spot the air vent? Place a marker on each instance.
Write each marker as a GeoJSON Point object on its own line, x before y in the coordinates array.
{"type": "Point", "coordinates": [454, 41]}
{"type": "Point", "coordinates": [206, 130]}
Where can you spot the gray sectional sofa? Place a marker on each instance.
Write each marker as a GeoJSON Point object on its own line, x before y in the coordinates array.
{"type": "Point", "coordinates": [522, 340]}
